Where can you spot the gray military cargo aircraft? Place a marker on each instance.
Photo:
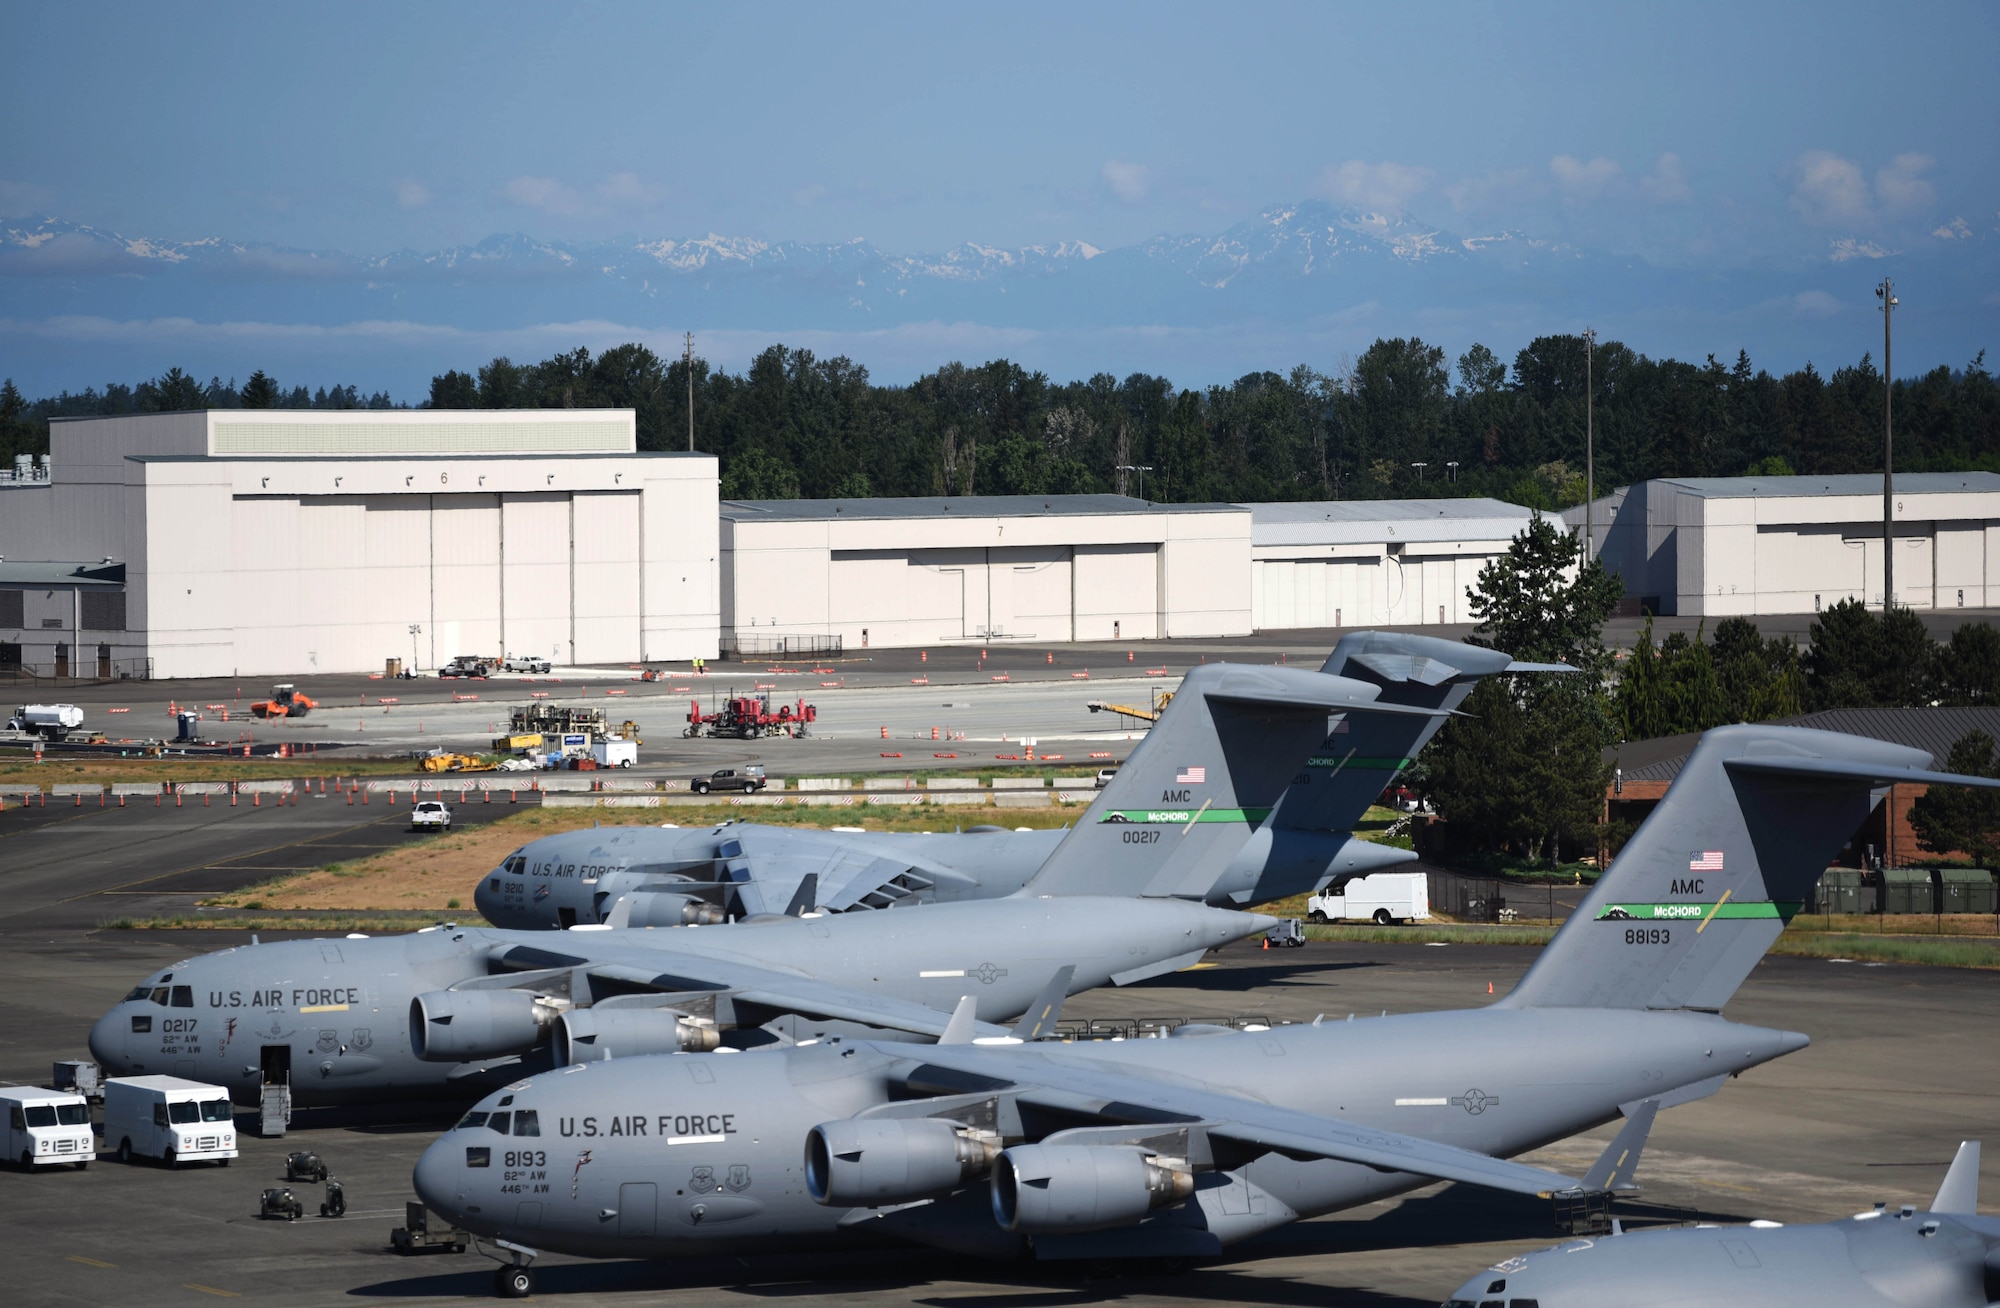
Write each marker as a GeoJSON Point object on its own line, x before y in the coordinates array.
{"type": "Point", "coordinates": [1945, 1256]}
{"type": "Point", "coordinates": [1210, 762]}
{"type": "Point", "coordinates": [1184, 1146]}
{"type": "Point", "coordinates": [448, 1012]}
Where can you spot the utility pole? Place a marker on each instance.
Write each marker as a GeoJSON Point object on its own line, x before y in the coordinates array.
{"type": "Point", "coordinates": [1886, 293]}
{"type": "Point", "coordinates": [687, 361]}
{"type": "Point", "coordinates": [1589, 446]}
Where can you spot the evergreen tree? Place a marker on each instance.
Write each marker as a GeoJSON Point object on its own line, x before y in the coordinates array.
{"type": "Point", "coordinates": [454, 390]}
{"type": "Point", "coordinates": [1968, 667]}
{"type": "Point", "coordinates": [260, 392]}
{"type": "Point", "coordinates": [1958, 819]}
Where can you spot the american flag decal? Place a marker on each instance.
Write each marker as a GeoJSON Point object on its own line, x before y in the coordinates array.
{"type": "Point", "coordinates": [1710, 861]}
{"type": "Point", "coordinates": [1192, 776]}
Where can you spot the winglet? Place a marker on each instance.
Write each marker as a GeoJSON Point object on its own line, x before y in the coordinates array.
{"type": "Point", "coordinates": [964, 1023]}
{"type": "Point", "coordinates": [621, 912]}
{"type": "Point", "coordinates": [1959, 1194]}
{"type": "Point", "coordinates": [802, 898]}
{"type": "Point", "coordinates": [1039, 1022]}
{"type": "Point", "coordinates": [1614, 1167]}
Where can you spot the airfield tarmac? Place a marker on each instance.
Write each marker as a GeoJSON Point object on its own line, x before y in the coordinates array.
{"type": "Point", "coordinates": [1901, 1069]}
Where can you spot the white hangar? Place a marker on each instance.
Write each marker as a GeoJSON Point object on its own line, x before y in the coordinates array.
{"type": "Point", "coordinates": [1751, 545]}
{"type": "Point", "coordinates": [1370, 563]}
{"type": "Point", "coordinates": [943, 571]}
{"type": "Point", "coordinates": [285, 541]}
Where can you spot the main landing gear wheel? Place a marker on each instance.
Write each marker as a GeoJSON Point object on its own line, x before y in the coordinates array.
{"type": "Point", "coordinates": [514, 1282]}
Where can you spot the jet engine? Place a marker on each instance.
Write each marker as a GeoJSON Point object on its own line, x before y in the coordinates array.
{"type": "Point", "coordinates": [460, 1026]}
{"type": "Point", "coordinates": [586, 1033]}
{"type": "Point", "coordinates": [875, 1161]}
{"type": "Point", "coordinates": [650, 908]}
{"type": "Point", "coordinates": [1049, 1189]}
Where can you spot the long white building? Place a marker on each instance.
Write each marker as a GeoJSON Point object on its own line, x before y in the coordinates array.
{"type": "Point", "coordinates": [1368, 563]}
{"type": "Point", "coordinates": [1751, 545]}
{"type": "Point", "coordinates": [282, 541]}
{"type": "Point", "coordinates": [930, 571]}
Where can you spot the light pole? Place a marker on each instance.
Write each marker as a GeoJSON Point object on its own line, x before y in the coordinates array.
{"type": "Point", "coordinates": [1451, 470]}
{"type": "Point", "coordinates": [687, 362]}
{"type": "Point", "coordinates": [1420, 469]}
{"type": "Point", "coordinates": [1589, 445]}
{"type": "Point", "coordinates": [1886, 293]}
{"type": "Point", "coordinates": [416, 630]}
{"type": "Point", "coordinates": [1142, 469]}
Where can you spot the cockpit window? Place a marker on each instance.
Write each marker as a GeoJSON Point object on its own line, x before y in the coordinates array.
{"type": "Point", "coordinates": [527, 1122]}
{"type": "Point", "coordinates": [187, 1110]}
{"type": "Point", "coordinates": [471, 1120]}
{"type": "Point", "coordinates": [216, 1110]}
{"type": "Point", "coordinates": [159, 996]}
{"type": "Point", "coordinates": [499, 1122]}
{"type": "Point", "coordinates": [515, 865]}
{"type": "Point", "coordinates": [183, 997]}
{"type": "Point", "coordinates": [73, 1114]}
{"type": "Point", "coordinates": [138, 992]}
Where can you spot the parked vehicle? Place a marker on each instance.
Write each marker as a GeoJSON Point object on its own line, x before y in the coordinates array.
{"type": "Point", "coordinates": [1104, 775]}
{"type": "Point", "coordinates": [468, 665]}
{"type": "Point", "coordinates": [1380, 897]}
{"type": "Point", "coordinates": [430, 815]}
{"type": "Point", "coordinates": [613, 752]}
{"type": "Point", "coordinates": [49, 721]}
{"type": "Point", "coordinates": [46, 1127]}
{"type": "Point", "coordinates": [747, 780]}
{"type": "Point", "coordinates": [416, 1232]}
{"type": "Point", "coordinates": [168, 1118]}
{"type": "Point", "coordinates": [525, 663]}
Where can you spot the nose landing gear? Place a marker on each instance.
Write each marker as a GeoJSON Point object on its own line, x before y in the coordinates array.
{"type": "Point", "coordinates": [514, 1279]}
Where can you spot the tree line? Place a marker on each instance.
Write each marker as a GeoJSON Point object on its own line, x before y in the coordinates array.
{"type": "Point", "coordinates": [1402, 419]}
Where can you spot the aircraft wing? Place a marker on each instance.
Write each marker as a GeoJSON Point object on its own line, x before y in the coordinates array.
{"type": "Point", "coordinates": [740, 984]}
{"type": "Point", "coordinates": [851, 874]}
{"type": "Point", "coordinates": [1082, 1085]}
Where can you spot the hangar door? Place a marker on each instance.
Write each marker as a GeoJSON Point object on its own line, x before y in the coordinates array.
{"type": "Point", "coordinates": [1048, 592]}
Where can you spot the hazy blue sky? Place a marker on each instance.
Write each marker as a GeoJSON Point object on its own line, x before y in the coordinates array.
{"type": "Point", "coordinates": [1705, 137]}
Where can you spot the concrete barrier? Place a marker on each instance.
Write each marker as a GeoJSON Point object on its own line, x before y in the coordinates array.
{"type": "Point", "coordinates": [952, 783]}
{"type": "Point", "coordinates": [77, 788]}
{"type": "Point", "coordinates": [894, 797]}
{"type": "Point", "coordinates": [560, 785]}
{"type": "Point", "coordinates": [1022, 800]}
{"type": "Point", "coordinates": [1019, 783]}
{"type": "Point", "coordinates": [284, 787]}
{"type": "Point", "coordinates": [961, 798]}
{"type": "Point", "coordinates": [627, 784]}
{"type": "Point", "coordinates": [601, 801]}
{"type": "Point", "coordinates": [821, 783]}
{"type": "Point", "coordinates": [888, 783]}
{"type": "Point", "coordinates": [201, 787]}
{"type": "Point", "coordinates": [12, 789]}
{"type": "Point", "coordinates": [136, 788]}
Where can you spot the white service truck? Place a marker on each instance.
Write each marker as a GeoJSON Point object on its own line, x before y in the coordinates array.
{"type": "Point", "coordinates": [52, 721]}
{"type": "Point", "coordinates": [614, 752]}
{"type": "Point", "coordinates": [1380, 897]}
{"type": "Point", "coordinates": [46, 1127]}
{"type": "Point", "coordinates": [166, 1117]}
{"type": "Point", "coordinates": [430, 815]}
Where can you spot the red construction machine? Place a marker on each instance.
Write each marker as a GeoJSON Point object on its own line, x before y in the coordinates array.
{"type": "Point", "coordinates": [747, 717]}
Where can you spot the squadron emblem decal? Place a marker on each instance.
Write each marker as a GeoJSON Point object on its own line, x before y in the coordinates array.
{"type": "Point", "coordinates": [702, 1180]}
{"type": "Point", "coordinates": [739, 1178]}
{"type": "Point", "coordinates": [576, 1174]}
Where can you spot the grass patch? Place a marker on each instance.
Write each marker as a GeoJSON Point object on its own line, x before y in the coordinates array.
{"type": "Point", "coordinates": [1448, 934]}
{"type": "Point", "coordinates": [20, 769]}
{"type": "Point", "coordinates": [321, 926]}
{"type": "Point", "coordinates": [1925, 951]}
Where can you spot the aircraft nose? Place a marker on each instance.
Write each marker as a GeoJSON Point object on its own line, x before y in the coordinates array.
{"type": "Point", "coordinates": [437, 1176]}
{"type": "Point", "coordinates": [485, 900]}
{"type": "Point", "coordinates": [107, 1041]}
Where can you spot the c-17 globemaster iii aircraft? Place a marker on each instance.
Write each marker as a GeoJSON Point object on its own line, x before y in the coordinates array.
{"type": "Point", "coordinates": [1943, 1256]}
{"type": "Point", "coordinates": [1279, 828]}
{"type": "Point", "coordinates": [1182, 1147]}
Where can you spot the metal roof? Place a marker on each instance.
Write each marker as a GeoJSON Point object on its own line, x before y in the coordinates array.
{"type": "Point", "coordinates": [957, 506]}
{"type": "Point", "coordinates": [1855, 483]}
{"type": "Point", "coordinates": [1934, 730]}
{"type": "Point", "coordinates": [1336, 522]}
{"type": "Point", "coordinates": [87, 576]}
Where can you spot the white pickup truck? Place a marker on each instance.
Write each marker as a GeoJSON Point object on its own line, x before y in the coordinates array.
{"type": "Point", "coordinates": [430, 815]}
{"type": "Point", "coordinates": [1380, 897]}
{"type": "Point", "coordinates": [524, 663]}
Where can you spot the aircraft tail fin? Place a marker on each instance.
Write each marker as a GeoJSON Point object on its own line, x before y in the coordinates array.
{"type": "Point", "coordinates": [1039, 1022]}
{"type": "Point", "coordinates": [1716, 870]}
{"type": "Point", "coordinates": [1959, 1195]}
{"type": "Point", "coordinates": [964, 1023]}
{"type": "Point", "coordinates": [1207, 773]}
{"type": "Point", "coordinates": [1614, 1167]}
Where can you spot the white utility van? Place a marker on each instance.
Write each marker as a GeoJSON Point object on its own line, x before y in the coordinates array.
{"type": "Point", "coordinates": [46, 1127]}
{"type": "Point", "coordinates": [613, 752]}
{"type": "Point", "coordinates": [170, 1119]}
{"type": "Point", "coordinates": [1381, 897]}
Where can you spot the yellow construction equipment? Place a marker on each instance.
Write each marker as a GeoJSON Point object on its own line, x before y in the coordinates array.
{"type": "Point", "coordinates": [457, 763]}
{"type": "Point", "coordinates": [517, 743]}
{"type": "Point", "coordinates": [630, 731]}
{"type": "Point", "coordinates": [1161, 698]}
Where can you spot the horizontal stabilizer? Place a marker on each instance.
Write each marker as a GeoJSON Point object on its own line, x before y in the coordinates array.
{"type": "Point", "coordinates": [1959, 1195]}
{"type": "Point", "coordinates": [1614, 1167]}
{"type": "Point", "coordinates": [1874, 775]}
{"type": "Point", "coordinates": [1518, 666]}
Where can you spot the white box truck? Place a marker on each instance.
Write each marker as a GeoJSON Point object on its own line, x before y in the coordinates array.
{"type": "Point", "coordinates": [46, 1127]}
{"type": "Point", "coordinates": [170, 1119]}
{"type": "Point", "coordinates": [614, 752]}
{"type": "Point", "coordinates": [1380, 897]}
